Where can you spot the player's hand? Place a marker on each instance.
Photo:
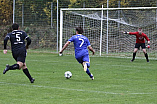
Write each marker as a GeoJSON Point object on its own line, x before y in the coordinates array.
{"type": "Point", "coordinates": [27, 47]}
{"type": "Point", "coordinates": [148, 46]}
{"type": "Point", "coordinates": [5, 51]}
{"type": "Point", "coordinates": [125, 32]}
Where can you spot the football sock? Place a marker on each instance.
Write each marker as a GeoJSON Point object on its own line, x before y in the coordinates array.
{"type": "Point", "coordinates": [146, 55]}
{"type": "Point", "coordinates": [88, 65]}
{"type": "Point", "coordinates": [27, 73]}
{"type": "Point", "coordinates": [88, 72]}
{"type": "Point", "coordinates": [134, 54]}
{"type": "Point", "coordinates": [13, 67]}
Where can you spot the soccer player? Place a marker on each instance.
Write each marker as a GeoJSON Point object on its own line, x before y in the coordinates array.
{"type": "Point", "coordinates": [17, 39]}
{"type": "Point", "coordinates": [81, 45]}
{"type": "Point", "coordinates": [140, 42]}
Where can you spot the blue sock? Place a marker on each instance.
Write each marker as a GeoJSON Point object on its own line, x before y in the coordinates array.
{"type": "Point", "coordinates": [88, 65]}
{"type": "Point", "coordinates": [88, 72]}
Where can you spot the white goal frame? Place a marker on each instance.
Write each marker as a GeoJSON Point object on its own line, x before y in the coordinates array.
{"type": "Point", "coordinates": [93, 9]}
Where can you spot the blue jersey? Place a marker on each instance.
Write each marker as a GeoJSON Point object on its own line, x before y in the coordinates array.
{"type": "Point", "coordinates": [80, 44]}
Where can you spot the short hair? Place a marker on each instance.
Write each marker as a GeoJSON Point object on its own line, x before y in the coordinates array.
{"type": "Point", "coordinates": [140, 28]}
{"type": "Point", "coordinates": [79, 30]}
{"type": "Point", "coordinates": [15, 26]}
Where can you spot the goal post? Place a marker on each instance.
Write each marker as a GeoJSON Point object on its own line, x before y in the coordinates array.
{"type": "Point", "coordinates": [61, 30]}
{"type": "Point", "coordinates": [104, 29]}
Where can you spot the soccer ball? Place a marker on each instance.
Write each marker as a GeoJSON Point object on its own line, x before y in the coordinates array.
{"type": "Point", "coordinates": [68, 74]}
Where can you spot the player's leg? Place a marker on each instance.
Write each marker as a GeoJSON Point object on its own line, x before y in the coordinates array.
{"type": "Point", "coordinates": [18, 65]}
{"type": "Point", "coordinates": [146, 55]}
{"type": "Point", "coordinates": [26, 72]}
{"type": "Point", "coordinates": [144, 51]}
{"type": "Point", "coordinates": [20, 59]}
{"type": "Point", "coordinates": [86, 65]}
{"type": "Point", "coordinates": [13, 67]}
{"type": "Point", "coordinates": [135, 50]}
{"type": "Point", "coordinates": [134, 54]}
{"type": "Point", "coordinates": [80, 60]}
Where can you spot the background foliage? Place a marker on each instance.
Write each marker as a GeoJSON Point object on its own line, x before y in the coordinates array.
{"type": "Point", "coordinates": [6, 6]}
{"type": "Point", "coordinates": [37, 15]}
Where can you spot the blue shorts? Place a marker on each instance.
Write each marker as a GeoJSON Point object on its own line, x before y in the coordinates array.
{"type": "Point", "coordinates": [82, 59]}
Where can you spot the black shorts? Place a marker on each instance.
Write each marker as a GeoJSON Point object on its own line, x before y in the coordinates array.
{"type": "Point", "coordinates": [19, 55]}
{"type": "Point", "coordinates": [142, 45]}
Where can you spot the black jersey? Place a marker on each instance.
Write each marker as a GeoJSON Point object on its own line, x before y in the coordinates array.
{"type": "Point", "coordinates": [17, 39]}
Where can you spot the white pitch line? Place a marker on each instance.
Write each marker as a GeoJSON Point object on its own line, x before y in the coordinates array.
{"type": "Point", "coordinates": [80, 90]}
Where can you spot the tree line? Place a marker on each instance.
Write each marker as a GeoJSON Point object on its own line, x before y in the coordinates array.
{"type": "Point", "coordinates": [6, 6]}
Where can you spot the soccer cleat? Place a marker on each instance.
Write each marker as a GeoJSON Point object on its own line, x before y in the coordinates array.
{"type": "Point", "coordinates": [6, 69]}
{"type": "Point", "coordinates": [92, 77]}
{"type": "Point", "coordinates": [32, 80]}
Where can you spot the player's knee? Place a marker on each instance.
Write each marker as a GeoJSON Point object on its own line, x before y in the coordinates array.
{"type": "Point", "coordinates": [88, 65]}
{"type": "Point", "coordinates": [20, 64]}
{"type": "Point", "coordinates": [24, 66]}
{"type": "Point", "coordinates": [144, 51]}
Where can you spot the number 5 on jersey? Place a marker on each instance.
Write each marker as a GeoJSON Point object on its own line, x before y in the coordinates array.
{"type": "Point", "coordinates": [18, 37]}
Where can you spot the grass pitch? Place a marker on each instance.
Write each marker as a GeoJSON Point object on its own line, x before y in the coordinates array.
{"type": "Point", "coordinates": [117, 81]}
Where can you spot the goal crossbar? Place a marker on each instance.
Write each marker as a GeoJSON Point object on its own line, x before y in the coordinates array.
{"type": "Point", "coordinates": [131, 8]}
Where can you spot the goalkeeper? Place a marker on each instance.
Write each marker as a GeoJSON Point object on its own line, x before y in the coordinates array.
{"type": "Point", "coordinates": [140, 42]}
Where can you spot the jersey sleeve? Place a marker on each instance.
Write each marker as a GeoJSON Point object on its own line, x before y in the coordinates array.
{"type": "Point", "coordinates": [71, 39]}
{"type": "Point", "coordinates": [6, 40]}
{"type": "Point", "coordinates": [146, 37]}
{"type": "Point", "coordinates": [132, 33]}
{"type": "Point", "coordinates": [28, 41]}
{"type": "Point", "coordinates": [25, 35]}
{"type": "Point", "coordinates": [27, 38]}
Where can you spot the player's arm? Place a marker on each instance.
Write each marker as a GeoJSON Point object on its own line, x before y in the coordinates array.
{"type": "Point", "coordinates": [91, 49]}
{"type": "Point", "coordinates": [130, 33]}
{"type": "Point", "coordinates": [28, 42]}
{"type": "Point", "coordinates": [146, 37]}
{"type": "Point", "coordinates": [148, 41]}
{"type": "Point", "coordinates": [64, 47]}
{"type": "Point", "coordinates": [5, 44]}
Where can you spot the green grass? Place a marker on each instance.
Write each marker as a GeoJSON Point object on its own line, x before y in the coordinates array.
{"type": "Point", "coordinates": [117, 81]}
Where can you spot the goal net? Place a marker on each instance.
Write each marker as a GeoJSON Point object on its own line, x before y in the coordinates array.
{"type": "Point", "coordinates": [104, 26]}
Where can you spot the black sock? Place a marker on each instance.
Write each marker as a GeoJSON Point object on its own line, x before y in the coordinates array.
{"type": "Point", "coordinates": [146, 55]}
{"type": "Point", "coordinates": [27, 73]}
{"type": "Point", "coordinates": [13, 67]}
{"type": "Point", "coordinates": [134, 54]}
